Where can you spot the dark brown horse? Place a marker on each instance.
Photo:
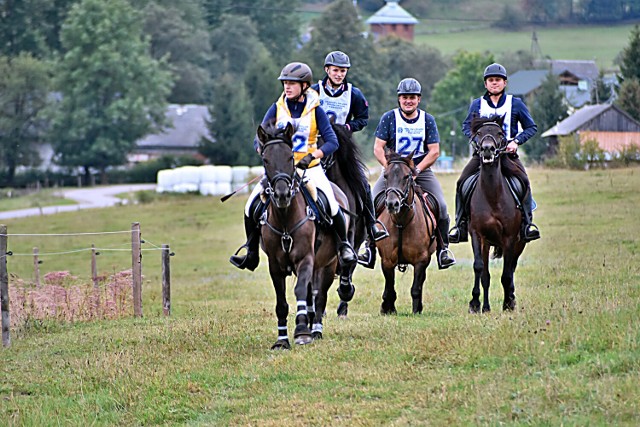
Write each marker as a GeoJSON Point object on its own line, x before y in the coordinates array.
{"type": "Point", "coordinates": [411, 226]}
{"type": "Point", "coordinates": [345, 168]}
{"type": "Point", "coordinates": [494, 217]}
{"type": "Point", "coordinates": [292, 240]}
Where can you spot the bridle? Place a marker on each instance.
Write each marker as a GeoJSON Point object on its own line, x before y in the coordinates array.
{"type": "Point", "coordinates": [289, 179]}
{"type": "Point", "coordinates": [496, 149]}
{"type": "Point", "coordinates": [406, 195]}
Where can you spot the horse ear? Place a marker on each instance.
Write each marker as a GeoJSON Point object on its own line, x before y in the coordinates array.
{"type": "Point", "coordinates": [262, 135]}
{"type": "Point", "coordinates": [501, 121]}
{"type": "Point", "coordinates": [289, 130]}
{"type": "Point", "coordinates": [410, 158]}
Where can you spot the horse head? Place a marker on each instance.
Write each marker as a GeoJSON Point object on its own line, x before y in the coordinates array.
{"type": "Point", "coordinates": [488, 137]}
{"type": "Point", "coordinates": [398, 178]}
{"type": "Point", "coordinates": [276, 149]}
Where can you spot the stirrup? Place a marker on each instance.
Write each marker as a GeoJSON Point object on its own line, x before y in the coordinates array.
{"type": "Point", "coordinates": [444, 264]}
{"type": "Point", "coordinates": [367, 258]}
{"type": "Point", "coordinates": [531, 233]}
{"type": "Point", "coordinates": [345, 246]}
{"type": "Point", "coordinates": [456, 235]}
{"type": "Point", "coordinates": [244, 262]}
{"type": "Point", "coordinates": [380, 234]}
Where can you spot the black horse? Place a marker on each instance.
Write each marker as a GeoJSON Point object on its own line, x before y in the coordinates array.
{"type": "Point", "coordinates": [495, 219]}
{"type": "Point", "coordinates": [347, 170]}
{"type": "Point", "coordinates": [292, 240]}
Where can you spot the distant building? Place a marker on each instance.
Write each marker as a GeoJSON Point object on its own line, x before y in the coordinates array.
{"type": "Point", "coordinates": [188, 124]}
{"type": "Point", "coordinates": [392, 19]}
{"type": "Point", "coordinates": [609, 125]}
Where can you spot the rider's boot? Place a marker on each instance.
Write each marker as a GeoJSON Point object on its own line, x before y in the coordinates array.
{"type": "Point", "coordinates": [346, 255]}
{"type": "Point", "coordinates": [459, 232]}
{"type": "Point", "coordinates": [445, 256]}
{"type": "Point", "coordinates": [251, 259]}
{"type": "Point", "coordinates": [530, 231]}
{"type": "Point", "coordinates": [375, 232]}
{"type": "Point", "coordinates": [367, 258]}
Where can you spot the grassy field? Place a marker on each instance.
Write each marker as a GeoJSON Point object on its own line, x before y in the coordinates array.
{"type": "Point", "coordinates": [601, 44]}
{"type": "Point", "coordinates": [9, 200]}
{"type": "Point", "coordinates": [569, 354]}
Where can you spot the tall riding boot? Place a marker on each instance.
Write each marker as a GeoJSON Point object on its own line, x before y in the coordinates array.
{"type": "Point", "coordinates": [529, 229]}
{"type": "Point", "coordinates": [445, 256]}
{"type": "Point", "coordinates": [346, 255]}
{"type": "Point", "coordinates": [459, 232]}
{"type": "Point", "coordinates": [252, 258]}
{"type": "Point", "coordinates": [376, 233]}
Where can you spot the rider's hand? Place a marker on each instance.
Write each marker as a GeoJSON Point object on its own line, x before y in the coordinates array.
{"type": "Point", "coordinates": [305, 161]}
{"type": "Point", "coordinates": [512, 147]}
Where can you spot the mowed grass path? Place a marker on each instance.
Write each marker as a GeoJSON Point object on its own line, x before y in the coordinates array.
{"type": "Point", "coordinates": [568, 355]}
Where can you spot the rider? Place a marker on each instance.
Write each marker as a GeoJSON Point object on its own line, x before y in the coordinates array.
{"type": "Point", "coordinates": [408, 119]}
{"type": "Point", "coordinates": [348, 106]}
{"type": "Point", "coordinates": [496, 101]}
{"type": "Point", "coordinates": [299, 105]}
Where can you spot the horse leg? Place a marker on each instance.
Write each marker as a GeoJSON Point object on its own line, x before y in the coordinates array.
{"type": "Point", "coordinates": [302, 333]}
{"type": "Point", "coordinates": [486, 278]}
{"type": "Point", "coordinates": [346, 290]}
{"type": "Point", "coordinates": [478, 267]}
{"type": "Point", "coordinates": [324, 278]}
{"type": "Point", "coordinates": [419, 276]}
{"type": "Point", "coordinates": [507, 279]}
{"type": "Point", "coordinates": [389, 295]}
{"type": "Point", "coordinates": [282, 311]}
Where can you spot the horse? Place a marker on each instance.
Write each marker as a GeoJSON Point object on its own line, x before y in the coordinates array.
{"type": "Point", "coordinates": [413, 241]}
{"type": "Point", "coordinates": [292, 240]}
{"type": "Point", "coordinates": [345, 168]}
{"type": "Point", "coordinates": [495, 219]}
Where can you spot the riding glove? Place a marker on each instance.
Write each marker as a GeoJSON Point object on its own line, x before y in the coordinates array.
{"type": "Point", "coordinates": [305, 161]}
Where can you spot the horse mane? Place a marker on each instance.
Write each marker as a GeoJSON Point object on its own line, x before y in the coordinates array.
{"type": "Point", "coordinates": [349, 160]}
{"type": "Point", "coordinates": [392, 156]}
{"type": "Point", "coordinates": [477, 122]}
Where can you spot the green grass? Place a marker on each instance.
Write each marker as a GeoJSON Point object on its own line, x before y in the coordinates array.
{"type": "Point", "coordinates": [16, 199]}
{"type": "Point", "coordinates": [568, 355]}
{"type": "Point", "coordinates": [599, 43]}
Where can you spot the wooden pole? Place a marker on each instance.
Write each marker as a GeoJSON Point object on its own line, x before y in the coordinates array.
{"type": "Point", "coordinates": [94, 278]}
{"type": "Point", "coordinates": [136, 269]}
{"type": "Point", "coordinates": [166, 280]}
{"type": "Point", "coordinates": [4, 287]}
{"type": "Point", "coordinates": [36, 266]}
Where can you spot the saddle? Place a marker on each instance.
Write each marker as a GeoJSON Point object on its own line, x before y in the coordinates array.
{"type": "Point", "coordinates": [516, 188]}
{"type": "Point", "coordinates": [428, 202]}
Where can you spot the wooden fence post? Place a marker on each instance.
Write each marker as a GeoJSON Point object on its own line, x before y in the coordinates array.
{"type": "Point", "coordinates": [4, 288]}
{"type": "Point", "coordinates": [36, 266]}
{"type": "Point", "coordinates": [94, 278]}
{"type": "Point", "coordinates": [166, 280]}
{"type": "Point", "coordinates": [136, 269]}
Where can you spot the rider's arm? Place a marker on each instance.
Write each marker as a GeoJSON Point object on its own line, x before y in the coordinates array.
{"type": "Point", "coordinates": [385, 133]}
{"type": "Point", "coordinates": [378, 151]}
{"type": "Point", "coordinates": [328, 135]}
{"type": "Point", "coordinates": [430, 158]}
{"type": "Point", "coordinates": [474, 109]}
{"type": "Point", "coordinates": [359, 111]}
{"type": "Point", "coordinates": [269, 115]}
{"type": "Point", "coordinates": [432, 143]}
{"type": "Point", "coordinates": [529, 127]}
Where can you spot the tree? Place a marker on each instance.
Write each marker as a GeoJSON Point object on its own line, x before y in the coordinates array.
{"type": "Point", "coordinates": [547, 109]}
{"type": "Point", "coordinates": [24, 84]}
{"type": "Point", "coordinates": [629, 97]}
{"type": "Point", "coordinates": [451, 95]}
{"type": "Point", "coordinates": [261, 84]}
{"type": "Point", "coordinates": [629, 90]}
{"type": "Point", "coordinates": [231, 130]}
{"type": "Point", "coordinates": [235, 43]}
{"type": "Point", "coordinates": [113, 92]}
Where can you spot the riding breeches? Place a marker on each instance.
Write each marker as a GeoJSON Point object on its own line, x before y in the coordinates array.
{"type": "Point", "coordinates": [427, 181]}
{"type": "Point", "coordinates": [315, 175]}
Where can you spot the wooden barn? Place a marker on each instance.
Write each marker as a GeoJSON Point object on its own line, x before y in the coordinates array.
{"type": "Point", "coordinates": [392, 19]}
{"type": "Point", "coordinates": [613, 128]}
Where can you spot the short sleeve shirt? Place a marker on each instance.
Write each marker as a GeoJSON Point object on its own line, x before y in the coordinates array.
{"type": "Point", "coordinates": [386, 130]}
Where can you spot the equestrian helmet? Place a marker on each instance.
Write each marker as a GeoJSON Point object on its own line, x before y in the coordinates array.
{"type": "Point", "coordinates": [338, 59]}
{"type": "Point", "coordinates": [409, 86]}
{"type": "Point", "coordinates": [296, 72]}
{"type": "Point", "coordinates": [495, 70]}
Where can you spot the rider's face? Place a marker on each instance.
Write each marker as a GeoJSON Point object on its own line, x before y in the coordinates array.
{"type": "Point", "coordinates": [495, 85]}
{"type": "Point", "coordinates": [408, 103]}
{"type": "Point", "coordinates": [292, 89]}
{"type": "Point", "coordinates": [336, 74]}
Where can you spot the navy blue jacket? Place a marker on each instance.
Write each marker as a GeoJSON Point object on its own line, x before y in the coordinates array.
{"type": "Point", "coordinates": [519, 114]}
{"type": "Point", "coordinates": [358, 117]}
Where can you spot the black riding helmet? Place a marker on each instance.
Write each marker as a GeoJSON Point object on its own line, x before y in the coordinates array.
{"type": "Point", "coordinates": [409, 86]}
{"type": "Point", "coordinates": [337, 59]}
{"type": "Point", "coordinates": [495, 70]}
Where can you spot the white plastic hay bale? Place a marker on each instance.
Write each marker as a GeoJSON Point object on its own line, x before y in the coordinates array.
{"type": "Point", "coordinates": [240, 174]}
{"type": "Point", "coordinates": [187, 179]}
{"type": "Point", "coordinates": [165, 180]}
{"type": "Point", "coordinates": [207, 188]}
{"type": "Point", "coordinates": [223, 174]}
{"type": "Point", "coordinates": [222, 188]}
{"type": "Point", "coordinates": [256, 171]}
{"type": "Point", "coordinates": [208, 174]}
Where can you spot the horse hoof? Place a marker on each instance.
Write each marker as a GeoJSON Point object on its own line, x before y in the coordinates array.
{"type": "Point", "coordinates": [316, 335]}
{"type": "Point", "coordinates": [343, 308]}
{"type": "Point", "coordinates": [388, 311]}
{"type": "Point", "coordinates": [303, 340]}
{"type": "Point", "coordinates": [281, 345]}
{"type": "Point", "coordinates": [346, 292]}
{"type": "Point", "coordinates": [474, 309]}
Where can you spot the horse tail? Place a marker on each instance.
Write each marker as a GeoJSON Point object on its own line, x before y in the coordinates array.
{"type": "Point", "coordinates": [349, 160]}
{"type": "Point", "coordinates": [497, 252]}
